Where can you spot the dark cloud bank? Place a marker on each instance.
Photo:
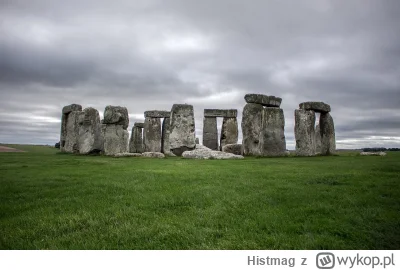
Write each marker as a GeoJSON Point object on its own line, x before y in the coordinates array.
{"type": "Point", "coordinates": [150, 54]}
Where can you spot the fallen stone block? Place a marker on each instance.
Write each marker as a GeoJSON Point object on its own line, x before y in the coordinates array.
{"type": "Point", "coordinates": [233, 149]}
{"type": "Point", "coordinates": [153, 155]}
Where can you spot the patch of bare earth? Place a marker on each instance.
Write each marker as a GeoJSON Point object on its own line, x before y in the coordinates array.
{"type": "Point", "coordinates": [9, 149]}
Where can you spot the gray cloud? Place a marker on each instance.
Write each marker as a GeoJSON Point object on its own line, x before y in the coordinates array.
{"type": "Point", "coordinates": [150, 54]}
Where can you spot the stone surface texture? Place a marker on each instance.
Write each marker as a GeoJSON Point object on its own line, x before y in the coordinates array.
{"type": "Point", "coordinates": [139, 125]}
{"type": "Point", "coordinates": [233, 149]}
{"type": "Point", "coordinates": [304, 132]}
{"type": "Point", "coordinates": [273, 132]}
{"type": "Point", "coordinates": [182, 130]}
{"type": "Point", "coordinates": [90, 137]}
{"type": "Point", "coordinates": [220, 113]}
{"type": "Point", "coordinates": [157, 114]}
{"type": "Point", "coordinates": [136, 141]}
{"type": "Point", "coordinates": [210, 133]}
{"type": "Point", "coordinates": [252, 124]}
{"type": "Point", "coordinates": [127, 155]}
{"type": "Point", "coordinates": [327, 129]}
{"type": "Point", "coordinates": [116, 115]}
{"type": "Point", "coordinates": [316, 106]}
{"type": "Point", "coordinates": [318, 141]}
{"type": "Point", "coordinates": [153, 155]}
{"type": "Point", "coordinates": [229, 131]}
{"type": "Point", "coordinates": [71, 138]}
{"type": "Point", "coordinates": [152, 134]}
{"type": "Point", "coordinates": [165, 148]}
{"type": "Point", "coordinates": [115, 138]}
{"type": "Point", "coordinates": [202, 152]}
{"type": "Point", "coordinates": [66, 110]}
{"type": "Point", "coordinates": [268, 101]}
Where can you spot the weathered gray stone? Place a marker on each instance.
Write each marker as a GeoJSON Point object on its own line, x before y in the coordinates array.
{"type": "Point", "coordinates": [220, 113]}
{"type": "Point", "coordinates": [165, 137]}
{"type": "Point", "coordinates": [71, 139]}
{"type": "Point", "coordinates": [233, 149]}
{"type": "Point", "coordinates": [273, 132]}
{"type": "Point", "coordinates": [328, 141]}
{"type": "Point", "coordinates": [115, 138]}
{"type": "Point", "coordinates": [139, 125]}
{"type": "Point", "coordinates": [127, 155]}
{"type": "Point", "coordinates": [373, 154]}
{"type": "Point", "coordinates": [197, 140]}
{"type": "Point", "coordinates": [182, 132]}
{"type": "Point", "coordinates": [90, 137]}
{"type": "Point", "coordinates": [315, 106]}
{"type": "Point", "coordinates": [71, 108]}
{"type": "Point", "coordinates": [210, 133]}
{"type": "Point", "coordinates": [116, 115]}
{"type": "Point", "coordinates": [136, 141]}
{"type": "Point", "coordinates": [229, 131]}
{"type": "Point", "coordinates": [202, 152]}
{"type": "Point", "coordinates": [64, 119]}
{"type": "Point", "coordinates": [252, 124]}
{"type": "Point", "coordinates": [318, 141]}
{"type": "Point", "coordinates": [152, 134]}
{"type": "Point", "coordinates": [153, 155]}
{"type": "Point", "coordinates": [157, 114]}
{"type": "Point", "coordinates": [268, 101]}
{"type": "Point", "coordinates": [304, 132]}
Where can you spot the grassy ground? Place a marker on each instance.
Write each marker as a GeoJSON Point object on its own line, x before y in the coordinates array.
{"type": "Point", "coordinates": [50, 200]}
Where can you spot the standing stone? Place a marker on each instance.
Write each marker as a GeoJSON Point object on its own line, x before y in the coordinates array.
{"type": "Point", "coordinates": [116, 115]}
{"type": "Point", "coordinates": [197, 140]}
{"type": "Point", "coordinates": [165, 136]}
{"type": "Point", "coordinates": [71, 143]}
{"type": "Point", "coordinates": [328, 141]}
{"type": "Point", "coordinates": [273, 132]}
{"type": "Point", "coordinates": [182, 132]}
{"type": "Point", "coordinates": [115, 138]}
{"type": "Point", "coordinates": [152, 135]}
{"type": "Point", "coordinates": [136, 141]}
{"type": "Point", "coordinates": [229, 131]}
{"type": "Point", "coordinates": [64, 119]}
{"type": "Point", "coordinates": [304, 132]}
{"type": "Point", "coordinates": [90, 138]}
{"type": "Point", "coordinates": [252, 124]}
{"type": "Point", "coordinates": [318, 148]}
{"type": "Point", "coordinates": [210, 133]}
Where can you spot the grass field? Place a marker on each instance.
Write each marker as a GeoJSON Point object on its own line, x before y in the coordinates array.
{"type": "Point", "coordinates": [61, 201]}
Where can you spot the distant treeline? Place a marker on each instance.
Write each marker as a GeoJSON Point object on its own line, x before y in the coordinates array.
{"type": "Point", "coordinates": [381, 149]}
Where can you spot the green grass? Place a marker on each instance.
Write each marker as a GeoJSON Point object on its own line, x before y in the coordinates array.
{"type": "Point", "coordinates": [50, 200]}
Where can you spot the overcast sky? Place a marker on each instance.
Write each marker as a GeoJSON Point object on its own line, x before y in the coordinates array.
{"type": "Point", "coordinates": [150, 54]}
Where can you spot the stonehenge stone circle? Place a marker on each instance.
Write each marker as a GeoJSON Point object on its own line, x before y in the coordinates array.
{"type": "Point", "coordinates": [252, 126]}
{"type": "Point", "coordinates": [90, 138]}
{"type": "Point", "coordinates": [315, 106]}
{"type": "Point", "coordinates": [268, 101]}
{"type": "Point", "coordinates": [263, 126]}
{"type": "Point", "coordinates": [182, 129]}
{"type": "Point", "coordinates": [136, 141]}
{"type": "Point", "coordinates": [113, 129]}
{"type": "Point", "coordinates": [304, 132]}
{"type": "Point", "coordinates": [210, 133]}
{"type": "Point", "coordinates": [152, 135]}
{"type": "Point", "coordinates": [69, 135]}
{"type": "Point", "coordinates": [157, 114]}
{"type": "Point", "coordinates": [273, 139]}
{"type": "Point", "coordinates": [233, 149]}
{"type": "Point", "coordinates": [165, 148]}
{"type": "Point", "coordinates": [116, 115]}
{"type": "Point", "coordinates": [328, 141]}
{"type": "Point", "coordinates": [229, 131]}
{"type": "Point", "coordinates": [115, 139]}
